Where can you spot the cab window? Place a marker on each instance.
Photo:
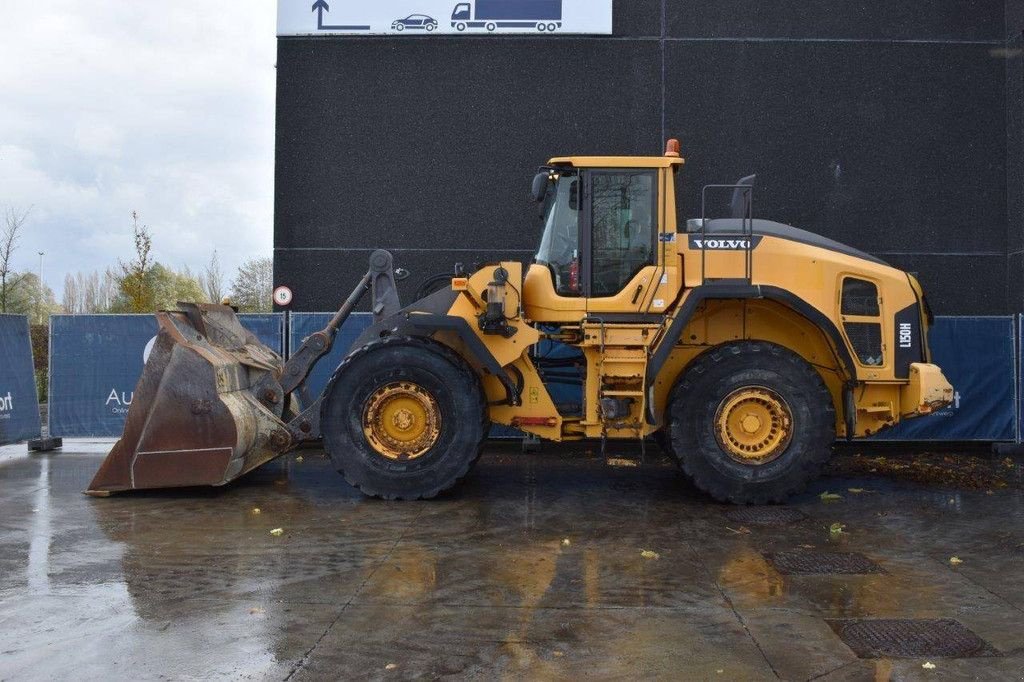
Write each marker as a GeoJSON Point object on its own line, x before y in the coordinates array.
{"type": "Point", "coordinates": [560, 245]}
{"type": "Point", "coordinates": [622, 228]}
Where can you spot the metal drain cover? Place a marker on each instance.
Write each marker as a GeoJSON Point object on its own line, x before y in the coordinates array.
{"type": "Point", "coordinates": [822, 563]}
{"type": "Point", "coordinates": [766, 516]}
{"type": "Point", "coordinates": [938, 638]}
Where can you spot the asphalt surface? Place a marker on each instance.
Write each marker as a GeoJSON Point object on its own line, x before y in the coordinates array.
{"type": "Point", "coordinates": [549, 566]}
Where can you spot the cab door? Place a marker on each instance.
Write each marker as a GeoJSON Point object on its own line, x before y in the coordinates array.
{"type": "Point", "coordinates": [624, 264]}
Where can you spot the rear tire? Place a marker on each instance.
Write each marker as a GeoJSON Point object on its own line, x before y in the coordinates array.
{"type": "Point", "coordinates": [353, 424]}
{"type": "Point", "coordinates": [775, 461]}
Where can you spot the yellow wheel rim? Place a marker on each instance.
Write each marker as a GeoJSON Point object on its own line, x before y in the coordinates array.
{"type": "Point", "coordinates": [402, 421]}
{"type": "Point", "coordinates": [754, 425]}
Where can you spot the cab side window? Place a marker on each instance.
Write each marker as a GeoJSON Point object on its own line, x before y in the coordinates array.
{"type": "Point", "coordinates": [623, 228]}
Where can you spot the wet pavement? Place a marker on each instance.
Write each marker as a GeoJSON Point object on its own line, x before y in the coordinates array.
{"type": "Point", "coordinates": [541, 566]}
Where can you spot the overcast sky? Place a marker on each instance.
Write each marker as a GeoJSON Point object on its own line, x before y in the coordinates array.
{"type": "Point", "coordinates": [165, 108]}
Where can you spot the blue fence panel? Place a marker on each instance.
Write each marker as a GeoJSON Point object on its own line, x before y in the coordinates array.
{"type": "Point", "coordinates": [978, 356]}
{"type": "Point", "coordinates": [19, 402]}
{"type": "Point", "coordinates": [96, 361]}
{"type": "Point", "coordinates": [268, 328]}
{"type": "Point", "coordinates": [301, 325]}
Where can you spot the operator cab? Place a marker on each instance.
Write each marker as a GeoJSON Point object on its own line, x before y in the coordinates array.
{"type": "Point", "coordinates": [602, 248]}
{"type": "Point", "coordinates": [622, 234]}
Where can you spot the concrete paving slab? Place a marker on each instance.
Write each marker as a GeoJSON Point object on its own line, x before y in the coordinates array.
{"type": "Point", "coordinates": [535, 643]}
{"type": "Point", "coordinates": [533, 568]}
{"type": "Point", "coordinates": [106, 632]}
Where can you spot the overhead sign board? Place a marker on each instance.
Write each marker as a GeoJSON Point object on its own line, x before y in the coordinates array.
{"type": "Point", "coordinates": [443, 17]}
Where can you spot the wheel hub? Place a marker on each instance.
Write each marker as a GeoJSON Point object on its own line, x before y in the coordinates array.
{"type": "Point", "coordinates": [754, 425]}
{"type": "Point", "coordinates": [751, 424]}
{"type": "Point", "coordinates": [402, 421]}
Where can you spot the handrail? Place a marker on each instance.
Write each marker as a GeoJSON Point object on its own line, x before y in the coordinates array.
{"type": "Point", "coordinates": [747, 229]}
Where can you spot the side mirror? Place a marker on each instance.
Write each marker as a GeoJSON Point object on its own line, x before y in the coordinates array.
{"type": "Point", "coordinates": [540, 187]}
{"type": "Point", "coordinates": [574, 195]}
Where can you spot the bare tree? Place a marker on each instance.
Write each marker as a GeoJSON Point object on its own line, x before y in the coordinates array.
{"type": "Point", "coordinates": [71, 301]}
{"type": "Point", "coordinates": [253, 288]}
{"type": "Point", "coordinates": [89, 288]}
{"type": "Point", "coordinates": [212, 279]}
{"type": "Point", "coordinates": [83, 294]}
{"type": "Point", "coordinates": [108, 291]}
{"type": "Point", "coordinates": [14, 220]}
{"type": "Point", "coordinates": [134, 281]}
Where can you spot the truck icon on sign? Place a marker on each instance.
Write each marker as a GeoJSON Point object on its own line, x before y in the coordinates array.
{"type": "Point", "coordinates": [544, 15]}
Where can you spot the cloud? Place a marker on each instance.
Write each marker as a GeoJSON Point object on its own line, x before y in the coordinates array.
{"type": "Point", "coordinates": [167, 109]}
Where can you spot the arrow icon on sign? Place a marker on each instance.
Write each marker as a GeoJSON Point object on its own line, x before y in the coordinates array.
{"type": "Point", "coordinates": [321, 6]}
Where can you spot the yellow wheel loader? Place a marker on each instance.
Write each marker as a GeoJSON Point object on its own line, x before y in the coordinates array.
{"type": "Point", "coordinates": [744, 346]}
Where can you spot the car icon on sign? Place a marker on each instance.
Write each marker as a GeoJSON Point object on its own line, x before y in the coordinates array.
{"type": "Point", "coordinates": [415, 22]}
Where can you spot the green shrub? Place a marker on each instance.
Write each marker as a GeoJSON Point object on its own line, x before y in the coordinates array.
{"type": "Point", "coordinates": [40, 346]}
{"type": "Point", "coordinates": [42, 377]}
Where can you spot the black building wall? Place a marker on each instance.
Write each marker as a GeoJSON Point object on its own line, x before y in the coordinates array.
{"type": "Point", "coordinates": [1014, 56]}
{"type": "Point", "coordinates": [893, 127]}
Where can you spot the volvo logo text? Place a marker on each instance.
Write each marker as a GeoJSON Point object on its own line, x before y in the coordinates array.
{"type": "Point", "coordinates": [733, 243]}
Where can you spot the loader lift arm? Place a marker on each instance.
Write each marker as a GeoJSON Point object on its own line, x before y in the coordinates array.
{"type": "Point", "coordinates": [380, 280]}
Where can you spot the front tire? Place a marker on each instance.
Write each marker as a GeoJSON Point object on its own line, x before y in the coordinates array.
{"type": "Point", "coordinates": [404, 419]}
{"type": "Point", "coordinates": [751, 423]}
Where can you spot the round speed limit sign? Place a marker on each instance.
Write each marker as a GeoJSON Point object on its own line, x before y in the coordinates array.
{"type": "Point", "coordinates": [282, 296]}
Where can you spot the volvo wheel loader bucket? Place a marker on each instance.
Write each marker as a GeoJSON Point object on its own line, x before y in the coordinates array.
{"type": "Point", "coordinates": [207, 409]}
{"type": "Point", "coordinates": [213, 403]}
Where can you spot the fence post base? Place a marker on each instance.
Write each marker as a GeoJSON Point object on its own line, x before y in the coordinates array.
{"type": "Point", "coordinates": [45, 444]}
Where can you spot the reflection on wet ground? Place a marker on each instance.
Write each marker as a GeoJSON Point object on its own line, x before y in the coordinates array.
{"type": "Point", "coordinates": [545, 566]}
